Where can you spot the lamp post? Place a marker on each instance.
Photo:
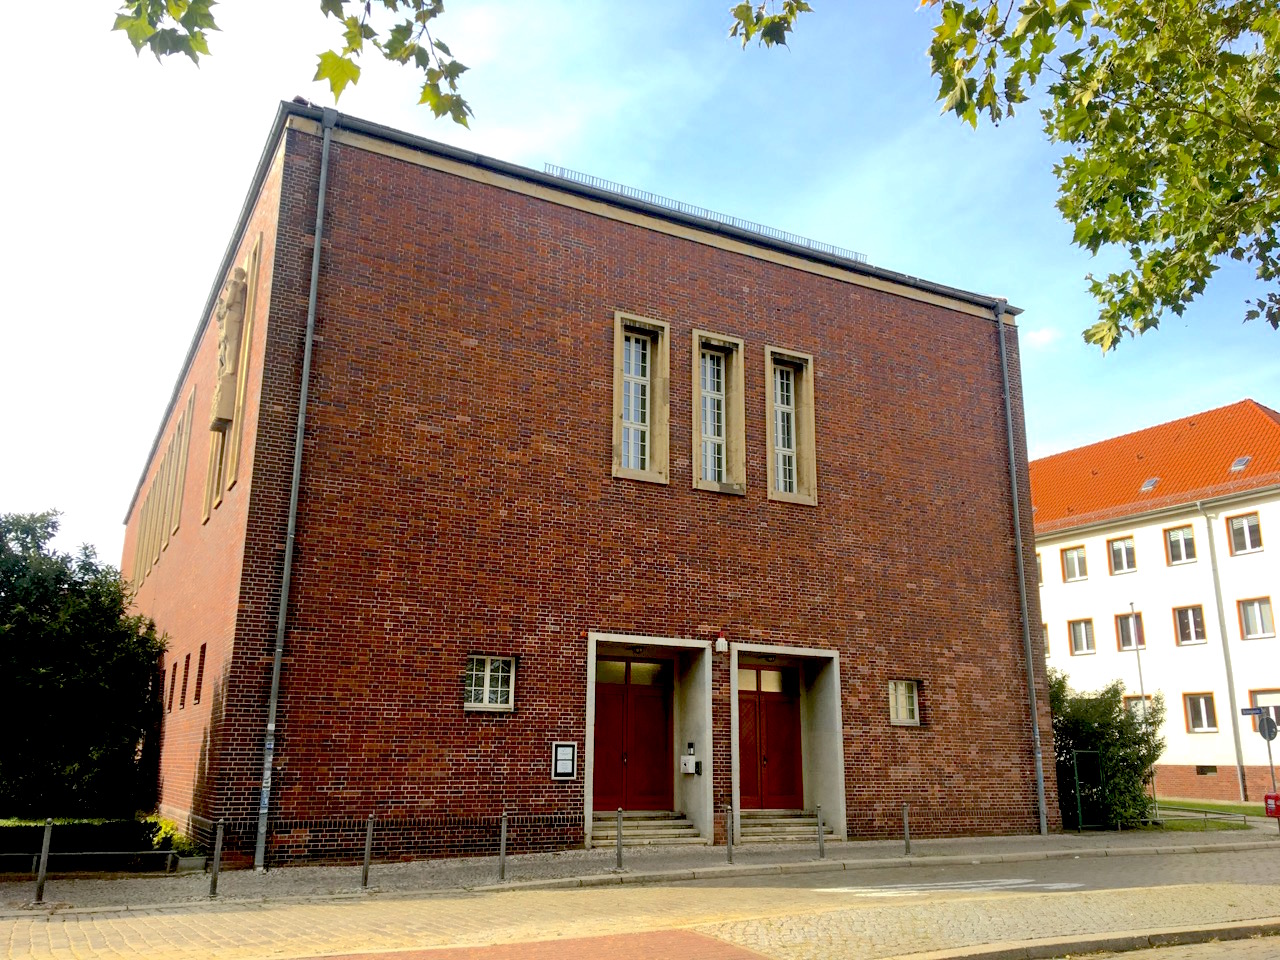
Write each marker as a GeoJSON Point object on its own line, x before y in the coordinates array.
{"type": "Point", "coordinates": [1139, 640]}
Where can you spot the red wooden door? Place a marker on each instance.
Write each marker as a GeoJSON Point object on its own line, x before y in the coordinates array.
{"type": "Point", "coordinates": [633, 754]}
{"type": "Point", "coordinates": [770, 775]}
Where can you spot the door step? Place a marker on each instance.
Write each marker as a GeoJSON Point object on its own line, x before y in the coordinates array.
{"type": "Point", "coordinates": [781, 826]}
{"type": "Point", "coordinates": [643, 828]}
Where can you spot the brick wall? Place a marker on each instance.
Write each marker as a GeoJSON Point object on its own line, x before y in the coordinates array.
{"type": "Point", "coordinates": [1176, 780]}
{"type": "Point", "coordinates": [457, 499]}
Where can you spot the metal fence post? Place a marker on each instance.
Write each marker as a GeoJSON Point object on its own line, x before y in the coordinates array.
{"type": "Point", "coordinates": [502, 847]}
{"type": "Point", "coordinates": [906, 827]}
{"type": "Point", "coordinates": [44, 860]}
{"type": "Point", "coordinates": [217, 858]}
{"type": "Point", "coordinates": [822, 849]}
{"type": "Point", "coordinates": [728, 828]}
{"type": "Point", "coordinates": [619, 838]}
{"type": "Point", "coordinates": [368, 851]}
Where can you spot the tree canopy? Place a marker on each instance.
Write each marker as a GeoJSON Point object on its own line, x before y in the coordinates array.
{"type": "Point", "coordinates": [1127, 745]}
{"type": "Point", "coordinates": [1168, 110]}
{"type": "Point", "coordinates": [79, 681]}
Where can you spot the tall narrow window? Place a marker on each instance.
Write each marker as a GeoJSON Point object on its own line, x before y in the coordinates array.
{"type": "Point", "coordinates": [635, 401]}
{"type": "Point", "coordinates": [784, 429]}
{"type": "Point", "coordinates": [713, 406]}
{"type": "Point", "coordinates": [1246, 533]}
{"type": "Point", "coordinates": [719, 456]}
{"type": "Point", "coordinates": [173, 686]}
{"type": "Point", "coordinates": [1180, 544]}
{"type": "Point", "coordinates": [1129, 635]}
{"type": "Point", "coordinates": [186, 675]}
{"type": "Point", "coordinates": [792, 464]}
{"type": "Point", "coordinates": [199, 675]}
{"type": "Point", "coordinates": [641, 418]}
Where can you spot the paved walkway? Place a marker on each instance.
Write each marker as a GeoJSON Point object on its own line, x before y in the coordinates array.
{"type": "Point", "coordinates": [421, 907]}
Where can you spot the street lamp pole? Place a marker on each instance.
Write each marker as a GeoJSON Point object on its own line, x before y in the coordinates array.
{"type": "Point", "coordinates": [1138, 641]}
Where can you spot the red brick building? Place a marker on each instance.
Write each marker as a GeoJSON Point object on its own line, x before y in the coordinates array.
{"type": "Point", "coordinates": [704, 516]}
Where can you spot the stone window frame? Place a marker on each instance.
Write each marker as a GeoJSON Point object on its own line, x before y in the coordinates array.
{"type": "Point", "coordinates": [1088, 635]}
{"type": "Point", "coordinates": [659, 443]}
{"type": "Point", "coordinates": [801, 364]}
{"type": "Point", "coordinates": [1183, 539]}
{"type": "Point", "coordinates": [485, 706]}
{"type": "Point", "coordinates": [1205, 696]}
{"type": "Point", "coordinates": [1191, 625]}
{"type": "Point", "coordinates": [904, 703]}
{"type": "Point", "coordinates": [735, 437]}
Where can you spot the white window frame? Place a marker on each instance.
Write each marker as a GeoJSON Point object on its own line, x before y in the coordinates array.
{"type": "Point", "coordinates": [1200, 699]}
{"type": "Point", "coordinates": [1086, 634]}
{"type": "Point", "coordinates": [1081, 568]}
{"type": "Point", "coordinates": [487, 689]}
{"type": "Point", "coordinates": [904, 703]}
{"type": "Point", "coordinates": [637, 400]}
{"type": "Point", "coordinates": [1185, 535]}
{"type": "Point", "coordinates": [1252, 541]}
{"type": "Point", "coordinates": [1132, 625]}
{"type": "Point", "coordinates": [1263, 617]}
{"type": "Point", "coordinates": [1128, 556]}
{"type": "Point", "coordinates": [1190, 621]}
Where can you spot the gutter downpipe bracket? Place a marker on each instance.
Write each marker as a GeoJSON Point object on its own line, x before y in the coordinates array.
{"type": "Point", "coordinates": [1022, 573]}
{"type": "Point", "coordinates": [329, 121]}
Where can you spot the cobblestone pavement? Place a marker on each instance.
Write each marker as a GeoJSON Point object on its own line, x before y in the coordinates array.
{"type": "Point", "coordinates": [772, 919]}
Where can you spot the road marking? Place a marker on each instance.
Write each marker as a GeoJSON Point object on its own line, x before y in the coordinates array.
{"type": "Point", "coordinates": [949, 886]}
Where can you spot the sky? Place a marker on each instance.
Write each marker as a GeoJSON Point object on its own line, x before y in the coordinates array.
{"type": "Point", "coordinates": [124, 177]}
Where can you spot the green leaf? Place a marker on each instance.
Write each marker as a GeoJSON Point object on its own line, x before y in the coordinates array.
{"type": "Point", "coordinates": [338, 70]}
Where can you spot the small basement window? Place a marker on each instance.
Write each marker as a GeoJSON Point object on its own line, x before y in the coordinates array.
{"type": "Point", "coordinates": [490, 683]}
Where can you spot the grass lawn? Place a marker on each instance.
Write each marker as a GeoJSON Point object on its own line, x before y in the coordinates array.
{"type": "Point", "coordinates": [1200, 826]}
{"type": "Point", "coordinates": [1214, 806]}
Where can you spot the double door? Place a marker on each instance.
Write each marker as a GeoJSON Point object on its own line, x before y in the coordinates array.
{"type": "Point", "coordinates": [769, 762]}
{"type": "Point", "coordinates": [634, 758]}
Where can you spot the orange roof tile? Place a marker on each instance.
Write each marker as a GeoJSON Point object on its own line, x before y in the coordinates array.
{"type": "Point", "coordinates": [1191, 458]}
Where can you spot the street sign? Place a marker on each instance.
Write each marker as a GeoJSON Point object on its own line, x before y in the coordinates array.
{"type": "Point", "coordinates": [1253, 711]}
{"type": "Point", "coordinates": [1267, 727]}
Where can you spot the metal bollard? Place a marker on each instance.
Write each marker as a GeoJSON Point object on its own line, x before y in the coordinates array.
{"type": "Point", "coordinates": [502, 848]}
{"type": "Point", "coordinates": [217, 858]}
{"type": "Point", "coordinates": [728, 830]}
{"type": "Point", "coordinates": [368, 851]}
{"type": "Point", "coordinates": [619, 838]}
{"type": "Point", "coordinates": [906, 827]}
{"type": "Point", "coordinates": [44, 860]}
{"type": "Point", "coordinates": [822, 848]}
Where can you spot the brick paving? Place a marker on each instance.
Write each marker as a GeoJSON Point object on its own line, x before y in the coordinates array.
{"type": "Point", "coordinates": [660, 945]}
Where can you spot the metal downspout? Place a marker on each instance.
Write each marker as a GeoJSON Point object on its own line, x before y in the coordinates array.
{"type": "Point", "coordinates": [1022, 573]}
{"type": "Point", "coordinates": [1226, 653]}
{"type": "Point", "coordinates": [269, 741]}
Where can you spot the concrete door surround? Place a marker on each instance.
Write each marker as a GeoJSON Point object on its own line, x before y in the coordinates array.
{"type": "Point", "coordinates": [691, 721]}
{"type": "Point", "coordinates": [821, 729]}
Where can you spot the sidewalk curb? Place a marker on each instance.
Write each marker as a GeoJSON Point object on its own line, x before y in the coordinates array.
{"type": "Point", "coordinates": [1097, 943]}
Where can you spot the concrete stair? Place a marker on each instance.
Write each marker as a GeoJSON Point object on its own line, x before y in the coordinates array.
{"type": "Point", "coordinates": [643, 828]}
{"type": "Point", "coordinates": [781, 826]}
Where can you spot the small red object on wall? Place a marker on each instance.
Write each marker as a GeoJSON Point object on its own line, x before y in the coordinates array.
{"type": "Point", "coordinates": [1272, 801]}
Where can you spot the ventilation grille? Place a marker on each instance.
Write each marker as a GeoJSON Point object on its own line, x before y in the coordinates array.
{"type": "Point", "coordinates": [701, 212]}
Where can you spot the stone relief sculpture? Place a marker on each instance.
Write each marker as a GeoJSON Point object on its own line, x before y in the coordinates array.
{"type": "Point", "coordinates": [230, 315]}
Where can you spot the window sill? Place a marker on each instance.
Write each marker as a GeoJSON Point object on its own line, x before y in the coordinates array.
{"type": "Point", "coordinates": [1205, 730]}
{"type": "Point", "coordinates": [1258, 636]}
{"type": "Point", "coordinates": [1140, 648]}
{"type": "Point", "coordinates": [1181, 563]}
{"type": "Point", "coordinates": [644, 476]}
{"type": "Point", "coordinates": [1245, 553]}
{"type": "Point", "coordinates": [1193, 643]}
{"type": "Point", "coordinates": [1083, 653]}
{"type": "Point", "coordinates": [1121, 573]}
{"type": "Point", "coordinates": [807, 499]}
{"type": "Point", "coordinates": [905, 723]}
{"type": "Point", "coordinates": [1074, 579]}
{"type": "Point", "coordinates": [487, 708]}
{"type": "Point", "coordinates": [711, 486]}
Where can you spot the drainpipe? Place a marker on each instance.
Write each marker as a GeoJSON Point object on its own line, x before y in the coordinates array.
{"type": "Point", "coordinates": [1022, 573]}
{"type": "Point", "coordinates": [329, 119]}
{"type": "Point", "coordinates": [1226, 652]}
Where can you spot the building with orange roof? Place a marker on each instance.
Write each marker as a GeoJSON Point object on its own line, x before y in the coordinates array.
{"type": "Point", "coordinates": [1154, 569]}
